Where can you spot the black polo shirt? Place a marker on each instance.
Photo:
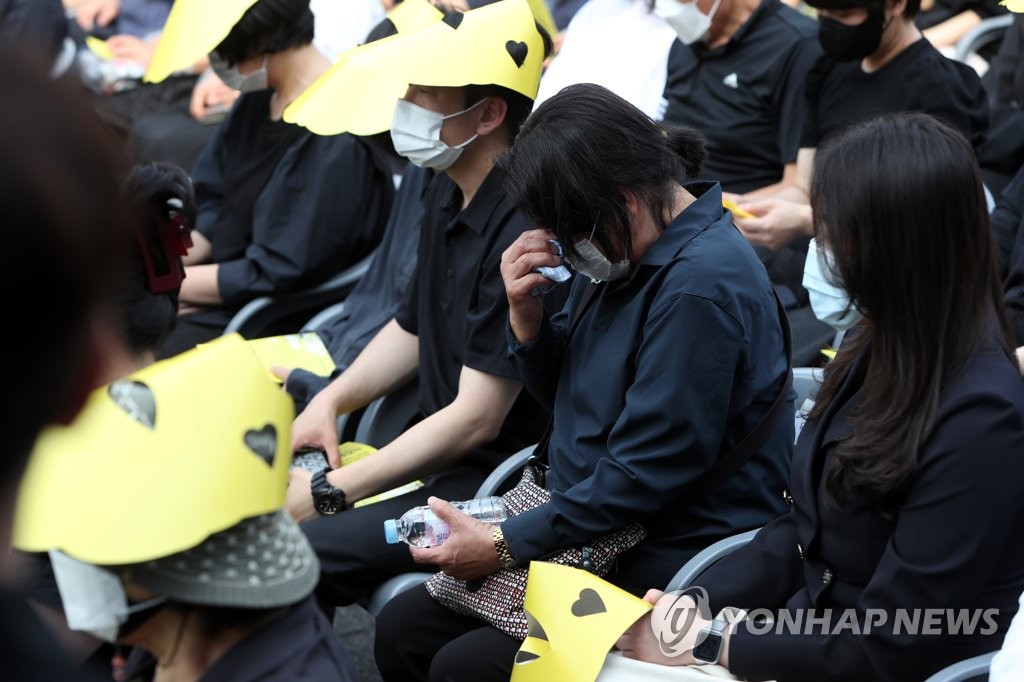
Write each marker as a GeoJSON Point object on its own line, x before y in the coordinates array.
{"type": "Point", "coordinates": [458, 307]}
{"type": "Point", "coordinates": [747, 96]}
{"type": "Point", "coordinates": [841, 94]}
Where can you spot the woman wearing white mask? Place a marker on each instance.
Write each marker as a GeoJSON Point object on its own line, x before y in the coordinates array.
{"type": "Point", "coordinates": [280, 209]}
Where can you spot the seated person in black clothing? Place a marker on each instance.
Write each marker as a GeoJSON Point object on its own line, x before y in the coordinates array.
{"type": "Point", "coordinates": [280, 209]}
{"type": "Point", "coordinates": [742, 86]}
{"type": "Point", "coordinates": [678, 354]}
{"type": "Point", "coordinates": [875, 62]}
{"type": "Point", "coordinates": [1002, 153]}
{"type": "Point", "coordinates": [1008, 226]}
{"type": "Point", "coordinates": [204, 575]}
{"type": "Point", "coordinates": [375, 300]}
{"type": "Point", "coordinates": [908, 477]}
{"type": "Point", "coordinates": [449, 329]}
{"type": "Point", "coordinates": [60, 198]}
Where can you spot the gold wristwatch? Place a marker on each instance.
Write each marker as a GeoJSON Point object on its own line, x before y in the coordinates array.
{"type": "Point", "coordinates": [504, 554]}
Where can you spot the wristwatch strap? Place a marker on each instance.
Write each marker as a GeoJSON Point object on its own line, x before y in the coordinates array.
{"type": "Point", "coordinates": [504, 553]}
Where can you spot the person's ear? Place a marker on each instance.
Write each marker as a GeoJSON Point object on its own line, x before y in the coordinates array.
{"type": "Point", "coordinates": [632, 202]}
{"type": "Point", "coordinates": [492, 115]}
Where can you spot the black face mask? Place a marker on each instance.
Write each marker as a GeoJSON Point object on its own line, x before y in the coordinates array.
{"type": "Point", "coordinates": [846, 43]}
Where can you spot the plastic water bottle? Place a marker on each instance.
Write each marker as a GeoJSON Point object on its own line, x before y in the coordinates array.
{"type": "Point", "coordinates": [420, 527]}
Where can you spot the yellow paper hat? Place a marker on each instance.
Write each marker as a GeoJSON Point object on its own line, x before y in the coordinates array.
{"type": "Point", "coordinates": [574, 618]}
{"type": "Point", "coordinates": [1013, 5]}
{"type": "Point", "coordinates": [159, 461]}
{"type": "Point", "coordinates": [495, 45]}
{"type": "Point", "coordinates": [193, 29]}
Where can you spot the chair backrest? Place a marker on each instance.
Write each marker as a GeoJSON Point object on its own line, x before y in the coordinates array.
{"type": "Point", "coordinates": [387, 418]}
{"type": "Point", "coordinates": [702, 560]}
{"type": "Point", "coordinates": [964, 670]}
{"type": "Point", "coordinates": [987, 32]}
{"type": "Point", "coordinates": [806, 381]}
{"type": "Point", "coordinates": [325, 316]}
{"type": "Point", "coordinates": [268, 316]}
{"type": "Point", "coordinates": [505, 471]}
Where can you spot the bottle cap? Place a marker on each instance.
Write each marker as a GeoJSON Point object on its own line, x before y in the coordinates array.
{"type": "Point", "coordinates": [391, 531]}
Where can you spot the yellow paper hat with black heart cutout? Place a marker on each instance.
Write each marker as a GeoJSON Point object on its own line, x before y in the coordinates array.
{"type": "Point", "coordinates": [498, 44]}
{"type": "Point", "coordinates": [159, 461]}
{"type": "Point", "coordinates": [573, 619]}
{"type": "Point", "coordinates": [193, 29]}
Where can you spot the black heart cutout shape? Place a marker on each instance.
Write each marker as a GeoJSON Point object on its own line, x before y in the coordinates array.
{"type": "Point", "coordinates": [453, 19]}
{"type": "Point", "coordinates": [524, 657]}
{"type": "Point", "coordinates": [518, 52]}
{"type": "Point", "coordinates": [588, 604]}
{"type": "Point", "coordinates": [533, 628]}
{"type": "Point", "coordinates": [136, 399]}
{"type": "Point", "coordinates": [263, 443]}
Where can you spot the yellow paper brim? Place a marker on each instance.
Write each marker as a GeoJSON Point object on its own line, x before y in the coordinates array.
{"type": "Point", "coordinates": [107, 490]}
{"type": "Point", "coordinates": [576, 645]}
{"type": "Point", "coordinates": [358, 94]}
{"type": "Point", "coordinates": [193, 29]}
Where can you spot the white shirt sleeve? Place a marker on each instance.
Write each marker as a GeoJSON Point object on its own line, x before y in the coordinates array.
{"type": "Point", "coordinates": [1008, 664]}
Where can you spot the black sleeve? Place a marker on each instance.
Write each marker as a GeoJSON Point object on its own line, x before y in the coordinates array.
{"type": "Point", "coordinates": [310, 220]}
{"type": "Point", "coordinates": [791, 106]}
{"type": "Point", "coordinates": [208, 180]}
{"type": "Point", "coordinates": [944, 550]}
{"type": "Point", "coordinates": [486, 348]}
{"type": "Point", "coordinates": [955, 94]}
{"type": "Point", "coordinates": [810, 133]}
{"type": "Point", "coordinates": [1008, 228]}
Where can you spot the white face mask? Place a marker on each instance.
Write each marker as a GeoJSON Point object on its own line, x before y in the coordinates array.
{"type": "Point", "coordinates": [594, 264]}
{"type": "Point", "coordinates": [686, 19]}
{"type": "Point", "coordinates": [416, 134]}
{"type": "Point", "coordinates": [830, 304]}
{"type": "Point", "coordinates": [93, 598]}
{"type": "Point", "coordinates": [257, 80]}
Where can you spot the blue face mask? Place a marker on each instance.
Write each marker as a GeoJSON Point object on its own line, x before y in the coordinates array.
{"type": "Point", "coordinates": [830, 303]}
{"type": "Point", "coordinates": [591, 262]}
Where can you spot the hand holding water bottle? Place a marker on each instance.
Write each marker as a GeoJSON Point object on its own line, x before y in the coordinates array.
{"type": "Point", "coordinates": [468, 552]}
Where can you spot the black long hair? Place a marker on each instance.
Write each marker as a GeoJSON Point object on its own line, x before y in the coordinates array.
{"type": "Point", "coordinates": [579, 150]}
{"type": "Point", "coordinates": [900, 203]}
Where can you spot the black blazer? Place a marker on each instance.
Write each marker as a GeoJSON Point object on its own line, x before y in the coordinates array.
{"type": "Point", "coordinates": [956, 541]}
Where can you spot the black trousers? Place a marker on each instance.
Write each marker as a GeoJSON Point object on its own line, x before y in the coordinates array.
{"type": "Point", "coordinates": [355, 559]}
{"type": "Point", "coordinates": [419, 639]}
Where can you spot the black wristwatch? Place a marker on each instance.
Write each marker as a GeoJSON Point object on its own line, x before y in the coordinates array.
{"type": "Point", "coordinates": [327, 499]}
{"type": "Point", "coordinates": [709, 642]}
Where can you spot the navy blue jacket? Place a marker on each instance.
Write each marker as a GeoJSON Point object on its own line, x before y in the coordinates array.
{"type": "Point", "coordinates": [667, 371]}
{"type": "Point", "coordinates": [955, 541]}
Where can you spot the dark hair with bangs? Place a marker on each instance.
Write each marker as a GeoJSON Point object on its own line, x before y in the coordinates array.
{"type": "Point", "coordinates": [579, 150]}
{"type": "Point", "coordinates": [268, 27]}
{"type": "Point", "coordinates": [899, 202]}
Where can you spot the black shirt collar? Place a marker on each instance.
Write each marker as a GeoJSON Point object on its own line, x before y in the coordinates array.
{"type": "Point", "coordinates": [478, 214]}
{"type": "Point", "coordinates": [694, 219]}
{"type": "Point", "coordinates": [701, 48]}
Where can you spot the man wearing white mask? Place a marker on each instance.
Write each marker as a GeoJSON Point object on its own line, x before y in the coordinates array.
{"type": "Point", "coordinates": [449, 330]}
